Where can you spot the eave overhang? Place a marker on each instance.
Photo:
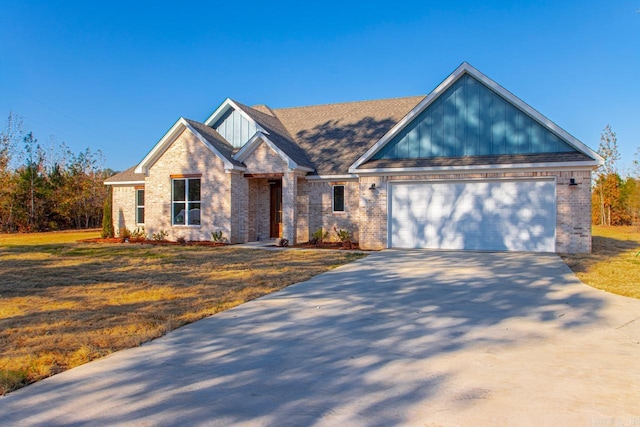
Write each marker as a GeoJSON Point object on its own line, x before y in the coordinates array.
{"type": "Point", "coordinates": [166, 141]}
{"type": "Point", "coordinates": [442, 87]}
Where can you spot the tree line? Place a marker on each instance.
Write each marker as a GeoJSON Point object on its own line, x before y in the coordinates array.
{"type": "Point", "coordinates": [615, 200]}
{"type": "Point", "coordinates": [47, 186]}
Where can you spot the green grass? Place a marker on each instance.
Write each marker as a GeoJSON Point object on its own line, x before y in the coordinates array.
{"type": "Point", "coordinates": [614, 264]}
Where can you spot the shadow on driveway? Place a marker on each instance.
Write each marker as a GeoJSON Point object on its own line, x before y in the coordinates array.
{"type": "Point", "coordinates": [383, 341]}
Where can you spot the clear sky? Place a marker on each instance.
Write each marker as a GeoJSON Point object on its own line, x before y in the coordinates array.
{"type": "Point", "coordinates": [115, 76]}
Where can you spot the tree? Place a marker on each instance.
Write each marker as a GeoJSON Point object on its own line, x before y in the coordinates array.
{"type": "Point", "coordinates": [606, 188]}
{"type": "Point", "coordinates": [47, 188]}
{"type": "Point", "coordinates": [107, 216]}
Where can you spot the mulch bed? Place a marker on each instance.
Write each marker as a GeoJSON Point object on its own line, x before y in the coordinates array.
{"type": "Point", "coordinates": [153, 242]}
{"type": "Point", "coordinates": [328, 245]}
{"type": "Point", "coordinates": [307, 245]}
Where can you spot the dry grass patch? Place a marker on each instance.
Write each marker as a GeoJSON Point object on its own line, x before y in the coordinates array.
{"type": "Point", "coordinates": [48, 238]}
{"type": "Point", "coordinates": [62, 305]}
{"type": "Point", "coordinates": [614, 264]}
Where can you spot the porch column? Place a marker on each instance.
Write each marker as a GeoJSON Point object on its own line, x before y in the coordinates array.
{"type": "Point", "coordinates": [289, 209]}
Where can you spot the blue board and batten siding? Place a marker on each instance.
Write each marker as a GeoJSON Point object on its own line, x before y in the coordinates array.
{"type": "Point", "coordinates": [470, 119]}
{"type": "Point", "coordinates": [235, 128]}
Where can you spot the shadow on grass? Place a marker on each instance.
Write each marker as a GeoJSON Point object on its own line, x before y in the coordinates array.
{"type": "Point", "coordinates": [603, 249]}
{"type": "Point", "coordinates": [354, 345]}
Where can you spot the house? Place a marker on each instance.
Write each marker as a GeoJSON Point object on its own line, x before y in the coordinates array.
{"type": "Point", "coordinates": [469, 166]}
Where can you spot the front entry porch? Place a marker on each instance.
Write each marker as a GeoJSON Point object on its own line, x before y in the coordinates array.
{"type": "Point", "coordinates": [272, 206]}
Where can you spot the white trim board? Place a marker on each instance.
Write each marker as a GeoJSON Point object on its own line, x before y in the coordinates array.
{"type": "Point", "coordinates": [448, 82]}
{"type": "Point", "coordinates": [224, 107]}
{"type": "Point", "coordinates": [255, 142]}
{"type": "Point", "coordinates": [169, 138]}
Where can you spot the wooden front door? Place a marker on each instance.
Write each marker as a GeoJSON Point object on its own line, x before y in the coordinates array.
{"type": "Point", "coordinates": [275, 197]}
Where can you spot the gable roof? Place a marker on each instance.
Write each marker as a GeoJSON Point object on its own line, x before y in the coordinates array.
{"type": "Point", "coordinates": [463, 69]}
{"type": "Point", "coordinates": [343, 139]}
{"type": "Point", "coordinates": [334, 135]}
{"type": "Point", "coordinates": [206, 135]}
{"type": "Point", "coordinates": [128, 176]}
{"type": "Point", "coordinates": [278, 135]}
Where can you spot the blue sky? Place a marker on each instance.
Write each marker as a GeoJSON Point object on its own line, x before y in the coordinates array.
{"type": "Point", "coordinates": [115, 76]}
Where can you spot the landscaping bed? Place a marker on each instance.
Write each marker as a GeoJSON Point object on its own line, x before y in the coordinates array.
{"type": "Point", "coordinates": [328, 245]}
{"type": "Point", "coordinates": [153, 242]}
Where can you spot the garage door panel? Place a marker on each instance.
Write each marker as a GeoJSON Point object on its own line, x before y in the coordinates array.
{"type": "Point", "coordinates": [486, 215]}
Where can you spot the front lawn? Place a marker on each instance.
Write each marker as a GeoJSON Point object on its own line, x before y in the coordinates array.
{"type": "Point", "coordinates": [614, 264]}
{"type": "Point", "coordinates": [64, 304]}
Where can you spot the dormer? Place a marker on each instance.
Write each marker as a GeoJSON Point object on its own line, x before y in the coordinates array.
{"type": "Point", "coordinates": [234, 124]}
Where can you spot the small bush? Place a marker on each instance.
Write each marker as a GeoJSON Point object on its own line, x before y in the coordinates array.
{"type": "Point", "coordinates": [138, 234]}
{"type": "Point", "coordinates": [343, 235]}
{"type": "Point", "coordinates": [181, 240]}
{"type": "Point", "coordinates": [124, 234]}
{"type": "Point", "coordinates": [216, 236]}
{"type": "Point", "coordinates": [319, 236]}
{"type": "Point", "coordinates": [160, 235]}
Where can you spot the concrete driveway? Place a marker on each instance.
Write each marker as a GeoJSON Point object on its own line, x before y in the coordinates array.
{"type": "Point", "coordinates": [401, 337]}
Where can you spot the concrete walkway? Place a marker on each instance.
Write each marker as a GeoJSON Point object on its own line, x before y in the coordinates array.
{"type": "Point", "coordinates": [399, 338]}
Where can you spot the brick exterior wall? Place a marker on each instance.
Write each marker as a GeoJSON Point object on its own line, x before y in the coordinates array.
{"type": "Point", "coordinates": [239, 206]}
{"type": "Point", "coordinates": [187, 155]}
{"type": "Point", "coordinates": [264, 160]}
{"type": "Point", "coordinates": [258, 209]}
{"type": "Point", "coordinates": [573, 206]}
{"type": "Point", "coordinates": [123, 208]}
{"type": "Point", "coordinates": [315, 209]}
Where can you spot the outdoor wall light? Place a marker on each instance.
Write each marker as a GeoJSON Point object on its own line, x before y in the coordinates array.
{"type": "Point", "coordinates": [373, 186]}
{"type": "Point", "coordinates": [572, 181]}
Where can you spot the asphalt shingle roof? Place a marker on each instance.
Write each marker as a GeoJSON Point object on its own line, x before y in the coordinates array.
{"type": "Point", "coordinates": [216, 140]}
{"type": "Point", "coordinates": [334, 136]}
{"type": "Point", "coordinates": [128, 175]}
{"type": "Point", "coordinates": [278, 134]}
{"type": "Point", "coordinates": [330, 138]}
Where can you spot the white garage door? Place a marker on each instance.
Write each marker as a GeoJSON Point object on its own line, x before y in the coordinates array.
{"type": "Point", "coordinates": [474, 215]}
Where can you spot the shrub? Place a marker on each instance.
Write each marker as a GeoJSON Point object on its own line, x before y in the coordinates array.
{"type": "Point", "coordinates": [124, 234]}
{"type": "Point", "coordinates": [107, 220]}
{"type": "Point", "coordinates": [344, 236]}
{"type": "Point", "coordinates": [319, 236]}
{"type": "Point", "coordinates": [282, 242]}
{"type": "Point", "coordinates": [181, 240]}
{"type": "Point", "coordinates": [138, 234]}
{"type": "Point", "coordinates": [216, 236]}
{"type": "Point", "coordinates": [160, 235]}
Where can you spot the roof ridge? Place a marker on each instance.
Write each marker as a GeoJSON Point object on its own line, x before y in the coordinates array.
{"type": "Point", "coordinates": [274, 110]}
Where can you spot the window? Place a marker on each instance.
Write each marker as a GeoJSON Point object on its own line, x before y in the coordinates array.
{"type": "Point", "coordinates": [338, 198]}
{"type": "Point", "coordinates": [139, 205]}
{"type": "Point", "coordinates": [185, 201]}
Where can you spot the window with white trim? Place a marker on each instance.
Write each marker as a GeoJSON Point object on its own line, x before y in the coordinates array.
{"type": "Point", "coordinates": [185, 201]}
{"type": "Point", "coordinates": [337, 202]}
{"type": "Point", "coordinates": [139, 206]}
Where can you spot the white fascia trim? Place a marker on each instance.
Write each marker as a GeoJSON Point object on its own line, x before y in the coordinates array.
{"type": "Point", "coordinates": [453, 77]}
{"type": "Point", "coordinates": [124, 183]}
{"type": "Point", "coordinates": [169, 138]}
{"type": "Point", "coordinates": [222, 109]}
{"type": "Point", "coordinates": [255, 142]}
{"type": "Point", "coordinates": [589, 165]}
{"type": "Point", "coordinates": [331, 177]}
{"type": "Point", "coordinates": [160, 147]}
